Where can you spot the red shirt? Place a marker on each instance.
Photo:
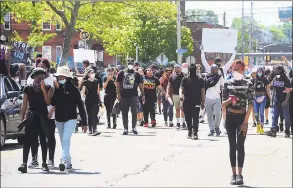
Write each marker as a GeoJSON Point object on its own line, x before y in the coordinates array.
{"type": "Point", "coordinates": [164, 82]}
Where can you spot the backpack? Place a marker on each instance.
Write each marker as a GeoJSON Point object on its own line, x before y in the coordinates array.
{"type": "Point", "coordinates": [128, 81]}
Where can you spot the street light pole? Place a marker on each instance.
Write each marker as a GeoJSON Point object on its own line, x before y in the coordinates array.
{"type": "Point", "coordinates": [178, 32]}
{"type": "Point", "coordinates": [136, 54]}
{"type": "Point", "coordinates": [243, 30]}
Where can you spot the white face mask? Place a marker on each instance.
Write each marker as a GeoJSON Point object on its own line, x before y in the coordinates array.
{"type": "Point", "coordinates": [237, 75]}
{"type": "Point", "coordinates": [62, 81]}
{"type": "Point", "coordinates": [92, 75]}
{"type": "Point", "coordinates": [130, 67]}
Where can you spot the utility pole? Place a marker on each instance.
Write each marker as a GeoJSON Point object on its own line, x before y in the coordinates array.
{"type": "Point", "coordinates": [224, 26]}
{"type": "Point", "coordinates": [178, 32]}
{"type": "Point", "coordinates": [250, 33]}
{"type": "Point", "coordinates": [243, 30]}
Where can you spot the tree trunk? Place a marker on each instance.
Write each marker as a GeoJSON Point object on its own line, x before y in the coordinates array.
{"type": "Point", "coordinates": [66, 45]}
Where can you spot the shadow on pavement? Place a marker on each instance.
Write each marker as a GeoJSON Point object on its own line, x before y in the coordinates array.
{"type": "Point", "coordinates": [246, 186]}
{"type": "Point", "coordinates": [142, 135]}
{"type": "Point", "coordinates": [73, 171]}
{"type": "Point", "coordinates": [160, 127]}
{"type": "Point", "coordinates": [12, 146]}
{"type": "Point", "coordinates": [209, 139]}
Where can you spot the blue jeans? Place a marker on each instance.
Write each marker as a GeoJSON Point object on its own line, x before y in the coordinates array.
{"type": "Point", "coordinates": [276, 115]}
{"type": "Point", "coordinates": [65, 130]}
{"type": "Point", "coordinates": [259, 109]}
{"type": "Point", "coordinates": [167, 110]}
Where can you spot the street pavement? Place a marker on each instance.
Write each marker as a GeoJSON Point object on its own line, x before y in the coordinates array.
{"type": "Point", "coordinates": [157, 157]}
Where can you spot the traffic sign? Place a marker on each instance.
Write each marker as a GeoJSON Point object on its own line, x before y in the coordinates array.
{"type": "Point", "coordinates": [84, 35]}
{"type": "Point", "coordinates": [162, 58]}
{"type": "Point", "coordinates": [190, 60]}
{"type": "Point", "coordinates": [181, 51]}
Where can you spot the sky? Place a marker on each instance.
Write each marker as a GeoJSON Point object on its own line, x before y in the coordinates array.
{"type": "Point", "coordinates": [265, 12]}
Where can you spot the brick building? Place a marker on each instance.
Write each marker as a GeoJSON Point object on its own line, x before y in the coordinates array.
{"type": "Point", "coordinates": [52, 49]}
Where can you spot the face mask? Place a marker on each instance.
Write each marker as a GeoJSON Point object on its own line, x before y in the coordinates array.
{"type": "Point", "coordinates": [185, 70]}
{"type": "Point", "coordinates": [237, 75]}
{"type": "Point", "coordinates": [62, 81]}
{"type": "Point", "coordinates": [130, 67]}
{"type": "Point", "coordinates": [259, 74]}
{"type": "Point", "coordinates": [92, 75]}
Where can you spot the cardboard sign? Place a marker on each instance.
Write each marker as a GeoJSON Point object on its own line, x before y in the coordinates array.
{"type": "Point", "coordinates": [20, 52]}
{"type": "Point", "coordinates": [81, 54]}
{"type": "Point", "coordinates": [219, 40]}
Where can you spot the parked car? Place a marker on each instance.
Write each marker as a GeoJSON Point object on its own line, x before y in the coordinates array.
{"type": "Point", "coordinates": [10, 104]}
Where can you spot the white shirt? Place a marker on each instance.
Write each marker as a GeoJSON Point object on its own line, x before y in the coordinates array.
{"type": "Point", "coordinates": [49, 81]}
{"type": "Point", "coordinates": [214, 92]}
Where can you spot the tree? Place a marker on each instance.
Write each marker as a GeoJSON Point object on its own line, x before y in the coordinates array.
{"type": "Point", "coordinates": [199, 15]}
{"type": "Point", "coordinates": [5, 7]}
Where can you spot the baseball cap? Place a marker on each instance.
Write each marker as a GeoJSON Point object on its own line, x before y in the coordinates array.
{"type": "Point", "coordinates": [177, 66]}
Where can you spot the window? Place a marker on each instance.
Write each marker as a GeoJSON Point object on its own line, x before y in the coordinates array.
{"type": "Point", "coordinates": [46, 52]}
{"type": "Point", "coordinates": [7, 21]}
{"type": "Point", "coordinates": [46, 26]}
{"type": "Point", "coordinates": [58, 51]}
{"type": "Point", "coordinates": [58, 26]}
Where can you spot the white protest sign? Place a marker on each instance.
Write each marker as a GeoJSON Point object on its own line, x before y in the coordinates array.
{"type": "Point", "coordinates": [219, 40]}
{"type": "Point", "coordinates": [82, 54]}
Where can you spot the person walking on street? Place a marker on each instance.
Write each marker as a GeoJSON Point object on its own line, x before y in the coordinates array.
{"type": "Point", "coordinates": [91, 91]}
{"type": "Point", "coordinates": [66, 99]}
{"type": "Point", "coordinates": [127, 83]}
{"type": "Point", "coordinates": [151, 83]}
{"type": "Point", "coordinates": [173, 92]}
{"type": "Point", "coordinates": [140, 121]}
{"type": "Point", "coordinates": [167, 107]}
{"type": "Point", "coordinates": [192, 93]}
{"type": "Point", "coordinates": [49, 81]}
{"type": "Point", "coordinates": [260, 98]}
{"type": "Point", "coordinates": [110, 96]}
{"type": "Point", "coordinates": [36, 99]}
{"type": "Point", "coordinates": [279, 100]}
{"type": "Point", "coordinates": [238, 102]}
{"type": "Point", "coordinates": [214, 84]}
{"type": "Point", "coordinates": [268, 103]}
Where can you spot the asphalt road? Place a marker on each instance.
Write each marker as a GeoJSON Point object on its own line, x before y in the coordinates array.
{"type": "Point", "coordinates": [158, 157]}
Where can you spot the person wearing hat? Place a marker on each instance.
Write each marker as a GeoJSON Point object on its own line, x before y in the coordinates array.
{"type": "Point", "coordinates": [35, 99]}
{"type": "Point", "coordinates": [218, 61]}
{"type": "Point", "coordinates": [214, 83]}
{"type": "Point", "coordinates": [173, 92]}
{"type": "Point", "coordinates": [66, 99]}
{"type": "Point", "coordinates": [127, 83]}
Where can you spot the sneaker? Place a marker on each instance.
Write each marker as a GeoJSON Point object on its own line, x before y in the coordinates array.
{"type": "Point", "coordinates": [189, 135]}
{"type": "Point", "coordinates": [211, 133]}
{"type": "Point", "coordinates": [90, 133]}
{"type": "Point", "coordinates": [239, 180]}
{"type": "Point", "coordinates": [109, 126]}
{"type": "Point", "coordinates": [166, 124]}
{"type": "Point", "coordinates": [178, 126]}
{"type": "Point", "coordinates": [154, 123]}
{"type": "Point", "coordinates": [51, 162]}
{"type": "Point", "coordinates": [61, 166]}
{"type": "Point", "coordinates": [287, 134]}
{"type": "Point", "coordinates": [114, 126]}
{"type": "Point", "coordinates": [184, 125]}
{"type": "Point", "coordinates": [261, 131]}
{"type": "Point", "coordinates": [267, 122]}
{"type": "Point", "coordinates": [218, 132]}
{"type": "Point", "coordinates": [254, 124]}
{"type": "Point", "coordinates": [195, 137]}
{"type": "Point", "coordinates": [141, 123]}
{"type": "Point", "coordinates": [271, 133]}
{"type": "Point", "coordinates": [281, 127]}
{"type": "Point", "coordinates": [233, 180]}
{"type": "Point", "coordinates": [45, 167]}
{"type": "Point", "coordinates": [96, 133]}
{"type": "Point", "coordinates": [201, 121]}
{"type": "Point", "coordinates": [69, 167]}
{"type": "Point", "coordinates": [171, 124]}
{"type": "Point", "coordinates": [22, 168]}
{"type": "Point", "coordinates": [146, 125]}
{"type": "Point", "coordinates": [134, 131]}
{"type": "Point", "coordinates": [258, 127]}
{"type": "Point", "coordinates": [35, 162]}
{"type": "Point", "coordinates": [125, 132]}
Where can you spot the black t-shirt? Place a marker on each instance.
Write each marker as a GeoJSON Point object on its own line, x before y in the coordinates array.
{"type": "Point", "coordinates": [100, 80]}
{"type": "Point", "coordinates": [150, 87]}
{"type": "Point", "coordinates": [36, 100]}
{"type": "Point", "coordinates": [92, 96]}
{"type": "Point", "coordinates": [260, 84]}
{"type": "Point", "coordinates": [111, 88]}
{"type": "Point", "coordinates": [192, 89]}
{"type": "Point", "coordinates": [279, 85]}
{"type": "Point", "coordinates": [175, 81]}
{"type": "Point", "coordinates": [129, 81]}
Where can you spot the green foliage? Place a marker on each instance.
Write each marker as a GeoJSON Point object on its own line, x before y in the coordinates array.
{"type": "Point", "coordinates": [5, 7]}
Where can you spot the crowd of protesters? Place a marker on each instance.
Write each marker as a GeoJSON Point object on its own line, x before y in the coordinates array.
{"type": "Point", "coordinates": [224, 93]}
